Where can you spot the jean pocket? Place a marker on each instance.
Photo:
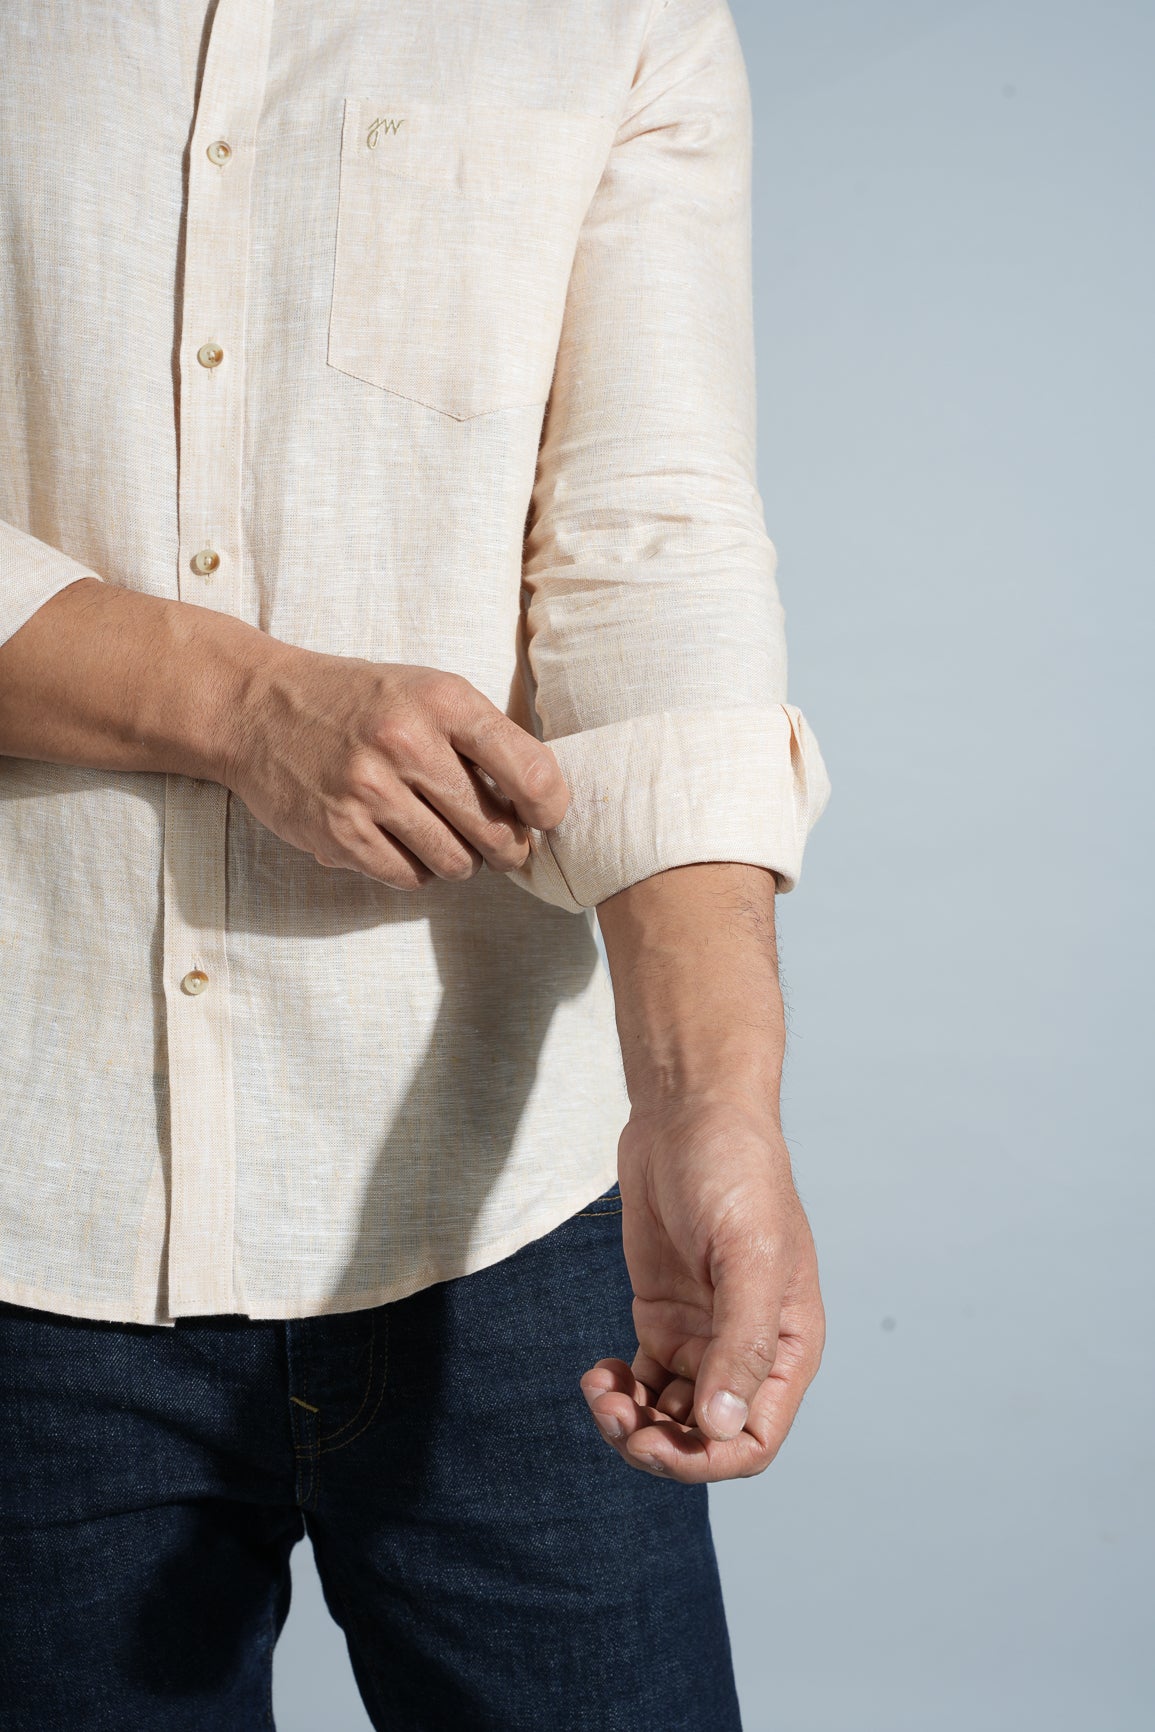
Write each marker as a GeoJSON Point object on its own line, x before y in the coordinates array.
{"type": "Point", "coordinates": [456, 233]}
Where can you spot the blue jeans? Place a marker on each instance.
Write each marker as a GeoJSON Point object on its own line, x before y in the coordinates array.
{"type": "Point", "coordinates": [491, 1561]}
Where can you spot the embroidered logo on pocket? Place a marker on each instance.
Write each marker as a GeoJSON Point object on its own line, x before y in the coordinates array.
{"type": "Point", "coordinates": [380, 126]}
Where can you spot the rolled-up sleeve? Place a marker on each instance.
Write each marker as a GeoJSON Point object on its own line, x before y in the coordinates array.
{"type": "Point", "coordinates": [30, 572]}
{"type": "Point", "coordinates": [653, 633]}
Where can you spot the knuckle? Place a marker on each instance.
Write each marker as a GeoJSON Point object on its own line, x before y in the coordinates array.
{"type": "Point", "coordinates": [446, 692]}
{"type": "Point", "coordinates": [412, 881]}
{"type": "Point", "coordinates": [504, 848]}
{"type": "Point", "coordinates": [757, 1358]}
{"type": "Point", "coordinates": [341, 838]}
{"type": "Point", "coordinates": [372, 856]}
{"type": "Point", "coordinates": [508, 859]}
{"type": "Point", "coordinates": [441, 855]}
{"type": "Point", "coordinates": [400, 875]}
{"type": "Point", "coordinates": [460, 868]}
{"type": "Point", "coordinates": [453, 685]}
{"type": "Point", "coordinates": [360, 770]}
{"type": "Point", "coordinates": [752, 1342]}
{"type": "Point", "coordinates": [400, 735]}
{"type": "Point", "coordinates": [343, 833]}
{"type": "Point", "coordinates": [485, 723]}
{"type": "Point", "coordinates": [365, 789]}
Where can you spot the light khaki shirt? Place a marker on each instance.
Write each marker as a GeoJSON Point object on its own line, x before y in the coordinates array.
{"type": "Point", "coordinates": [422, 332]}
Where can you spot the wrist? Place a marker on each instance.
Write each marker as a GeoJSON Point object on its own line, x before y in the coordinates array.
{"type": "Point", "coordinates": [712, 1124]}
{"type": "Point", "coordinates": [721, 1057]}
{"type": "Point", "coordinates": [751, 1088]}
{"type": "Point", "coordinates": [193, 714]}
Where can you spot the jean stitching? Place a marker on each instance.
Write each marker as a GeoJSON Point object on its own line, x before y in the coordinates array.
{"type": "Point", "coordinates": [314, 1429]}
{"type": "Point", "coordinates": [592, 1212]}
{"type": "Point", "coordinates": [368, 1390]}
{"type": "Point", "coordinates": [295, 1420]}
{"type": "Point", "coordinates": [306, 1451]}
{"type": "Point", "coordinates": [377, 1405]}
{"type": "Point", "coordinates": [305, 1456]}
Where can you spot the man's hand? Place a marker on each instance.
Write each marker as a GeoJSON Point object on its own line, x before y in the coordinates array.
{"type": "Point", "coordinates": [401, 773]}
{"type": "Point", "coordinates": [727, 1309]}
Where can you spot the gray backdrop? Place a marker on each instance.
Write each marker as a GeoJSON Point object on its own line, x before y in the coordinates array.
{"type": "Point", "coordinates": [954, 287]}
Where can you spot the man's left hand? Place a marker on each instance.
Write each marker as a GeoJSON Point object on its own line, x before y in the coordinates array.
{"type": "Point", "coordinates": [727, 1309]}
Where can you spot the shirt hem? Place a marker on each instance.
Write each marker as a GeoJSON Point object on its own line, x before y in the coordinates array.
{"type": "Point", "coordinates": [84, 1310]}
{"type": "Point", "coordinates": [429, 1274]}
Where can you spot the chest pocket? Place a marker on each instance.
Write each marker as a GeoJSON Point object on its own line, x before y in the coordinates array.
{"type": "Point", "coordinates": [456, 232]}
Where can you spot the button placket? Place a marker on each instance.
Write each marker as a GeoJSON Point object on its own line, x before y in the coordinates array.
{"type": "Point", "coordinates": [201, 1259]}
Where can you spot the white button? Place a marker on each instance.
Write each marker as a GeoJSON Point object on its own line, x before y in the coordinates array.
{"type": "Point", "coordinates": [205, 561]}
{"type": "Point", "coordinates": [195, 981]}
{"type": "Point", "coordinates": [219, 152]}
{"type": "Point", "coordinates": [210, 354]}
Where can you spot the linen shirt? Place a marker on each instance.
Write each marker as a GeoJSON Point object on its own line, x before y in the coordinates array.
{"type": "Point", "coordinates": [418, 331]}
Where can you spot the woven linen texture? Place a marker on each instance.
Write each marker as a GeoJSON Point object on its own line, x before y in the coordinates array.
{"type": "Point", "coordinates": [481, 277]}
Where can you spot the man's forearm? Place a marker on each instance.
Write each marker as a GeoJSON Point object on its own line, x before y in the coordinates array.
{"type": "Point", "coordinates": [108, 678]}
{"type": "Point", "coordinates": [694, 959]}
{"type": "Point", "coordinates": [727, 1309]}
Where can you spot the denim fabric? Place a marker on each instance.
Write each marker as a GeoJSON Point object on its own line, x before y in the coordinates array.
{"type": "Point", "coordinates": [492, 1562]}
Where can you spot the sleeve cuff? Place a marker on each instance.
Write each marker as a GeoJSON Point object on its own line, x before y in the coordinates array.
{"type": "Point", "coordinates": [30, 572]}
{"type": "Point", "coordinates": [744, 784]}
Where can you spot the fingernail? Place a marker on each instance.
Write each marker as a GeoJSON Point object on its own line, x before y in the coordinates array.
{"type": "Point", "coordinates": [652, 1462]}
{"type": "Point", "coordinates": [726, 1413]}
{"type": "Point", "coordinates": [612, 1427]}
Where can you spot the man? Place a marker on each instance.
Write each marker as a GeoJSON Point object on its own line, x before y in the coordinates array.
{"type": "Point", "coordinates": [384, 589]}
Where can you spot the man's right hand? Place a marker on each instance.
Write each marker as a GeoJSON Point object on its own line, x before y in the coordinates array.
{"type": "Point", "coordinates": [401, 773]}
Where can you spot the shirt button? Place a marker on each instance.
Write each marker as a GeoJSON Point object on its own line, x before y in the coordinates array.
{"type": "Point", "coordinates": [219, 152]}
{"type": "Point", "coordinates": [205, 561]}
{"type": "Point", "coordinates": [210, 354]}
{"type": "Point", "coordinates": [195, 981]}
